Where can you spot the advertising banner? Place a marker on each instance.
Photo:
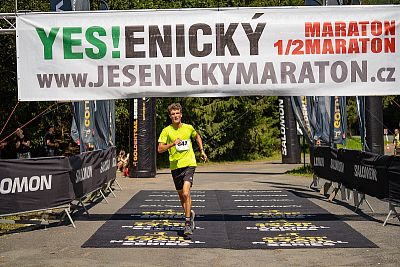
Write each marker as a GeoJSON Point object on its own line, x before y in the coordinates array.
{"type": "Point", "coordinates": [34, 184]}
{"type": "Point", "coordinates": [90, 171]}
{"type": "Point", "coordinates": [366, 172]}
{"type": "Point", "coordinates": [208, 52]}
{"type": "Point", "coordinates": [299, 106]}
{"type": "Point", "coordinates": [142, 138]}
{"type": "Point", "coordinates": [394, 180]}
{"type": "Point", "coordinates": [83, 125]}
{"type": "Point", "coordinates": [326, 164]}
{"type": "Point", "coordinates": [290, 146]}
{"type": "Point", "coordinates": [339, 118]}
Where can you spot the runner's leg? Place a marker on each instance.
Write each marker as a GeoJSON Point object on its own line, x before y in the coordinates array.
{"type": "Point", "coordinates": [185, 198]}
{"type": "Point", "coordinates": [186, 201]}
{"type": "Point", "coordinates": [181, 199]}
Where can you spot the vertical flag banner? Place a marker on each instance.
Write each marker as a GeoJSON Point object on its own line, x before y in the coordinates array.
{"type": "Point", "coordinates": [289, 140]}
{"type": "Point", "coordinates": [299, 106]}
{"type": "Point", "coordinates": [84, 112]}
{"type": "Point", "coordinates": [339, 120]}
{"type": "Point", "coordinates": [142, 138]}
{"type": "Point", "coordinates": [361, 120]}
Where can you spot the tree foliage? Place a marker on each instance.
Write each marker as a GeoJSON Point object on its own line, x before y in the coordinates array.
{"type": "Point", "coordinates": [232, 128]}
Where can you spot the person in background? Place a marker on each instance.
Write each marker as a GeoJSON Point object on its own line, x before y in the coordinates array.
{"type": "Point", "coordinates": [50, 143]}
{"type": "Point", "coordinates": [2, 146]}
{"type": "Point", "coordinates": [22, 145]}
{"type": "Point", "coordinates": [396, 142]}
{"type": "Point", "coordinates": [176, 139]}
{"type": "Point", "coordinates": [122, 161]}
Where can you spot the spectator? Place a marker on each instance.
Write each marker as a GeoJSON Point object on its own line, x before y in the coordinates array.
{"type": "Point", "coordinates": [22, 145]}
{"type": "Point", "coordinates": [123, 160]}
{"type": "Point", "coordinates": [50, 143]}
{"type": "Point", "coordinates": [396, 142]}
{"type": "Point", "coordinates": [2, 146]}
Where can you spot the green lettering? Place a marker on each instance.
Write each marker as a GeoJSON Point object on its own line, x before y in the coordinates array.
{"type": "Point", "coordinates": [47, 41]}
{"type": "Point", "coordinates": [99, 44]}
{"type": "Point", "coordinates": [68, 43]}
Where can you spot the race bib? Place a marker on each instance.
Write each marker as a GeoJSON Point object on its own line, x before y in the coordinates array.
{"type": "Point", "coordinates": [183, 146]}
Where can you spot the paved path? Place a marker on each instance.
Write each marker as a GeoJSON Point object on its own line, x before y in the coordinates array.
{"type": "Point", "coordinates": [61, 245]}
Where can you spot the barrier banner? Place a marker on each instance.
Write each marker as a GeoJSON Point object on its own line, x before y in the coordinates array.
{"type": "Point", "coordinates": [394, 180]}
{"type": "Point", "coordinates": [91, 170]}
{"type": "Point", "coordinates": [340, 50]}
{"type": "Point", "coordinates": [366, 172]}
{"type": "Point", "coordinates": [363, 171]}
{"type": "Point", "coordinates": [320, 162]}
{"type": "Point", "coordinates": [34, 184]}
{"type": "Point", "coordinates": [327, 165]}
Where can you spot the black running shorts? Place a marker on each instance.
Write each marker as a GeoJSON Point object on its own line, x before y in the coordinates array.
{"type": "Point", "coordinates": [183, 174]}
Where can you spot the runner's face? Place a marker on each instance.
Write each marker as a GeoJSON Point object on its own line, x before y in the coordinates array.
{"type": "Point", "coordinates": [175, 115]}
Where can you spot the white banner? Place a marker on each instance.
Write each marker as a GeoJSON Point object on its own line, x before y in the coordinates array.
{"type": "Point", "coordinates": [337, 50]}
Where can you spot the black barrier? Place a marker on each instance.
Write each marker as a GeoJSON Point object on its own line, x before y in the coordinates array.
{"type": "Point", "coordinates": [34, 184]}
{"type": "Point", "coordinates": [44, 183]}
{"type": "Point", "coordinates": [90, 171]}
{"type": "Point", "coordinates": [326, 164]}
{"type": "Point", "coordinates": [365, 172]}
{"type": "Point", "coordinates": [394, 180]}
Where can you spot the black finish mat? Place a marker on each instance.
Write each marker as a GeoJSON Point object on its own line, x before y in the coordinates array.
{"type": "Point", "coordinates": [237, 219]}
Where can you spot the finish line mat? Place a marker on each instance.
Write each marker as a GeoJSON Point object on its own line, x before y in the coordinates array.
{"type": "Point", "coordinates": [236, 219]}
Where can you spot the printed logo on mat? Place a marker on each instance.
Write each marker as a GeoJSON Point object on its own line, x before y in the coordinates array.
{"type": "Point", "coordinates": [156, 225]}
{"type": "Point", "coordinates": [282, 226]}
{"type": "Point", "coordinates": [297, 240]}
{"type": "Point", "coordinates": [277, 214]}
{"type": "Point", "coordinates": [155, 239]}
{"type": "Point", "coordinates": [159, 214]}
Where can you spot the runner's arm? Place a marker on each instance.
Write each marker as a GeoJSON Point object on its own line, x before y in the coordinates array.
{"type": "Point", "coordinates": [200, 144]}
{"type": "Point", "coordinates": [162, 147]}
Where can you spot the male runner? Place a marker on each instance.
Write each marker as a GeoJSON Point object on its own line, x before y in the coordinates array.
{"type": "Point", "coordinates": [176, 138]}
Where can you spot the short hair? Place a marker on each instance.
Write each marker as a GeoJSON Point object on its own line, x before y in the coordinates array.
{"type": "Point", "coordinates": [174, 106]}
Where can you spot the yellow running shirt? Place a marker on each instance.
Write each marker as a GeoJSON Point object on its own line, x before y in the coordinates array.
{"type": "Point", "coordinates": [180, 156]}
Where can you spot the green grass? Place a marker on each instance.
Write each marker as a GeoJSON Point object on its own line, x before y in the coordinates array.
{"type": "Point", "coordinates": [353, 143]}
{"type": "Point", "coordinates": [6, 228]}
{"type": "Point", "coordinates": [302, 171]}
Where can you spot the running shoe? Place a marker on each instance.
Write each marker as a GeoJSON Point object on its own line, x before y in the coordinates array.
{"type": "Point", "coordinates": [192, 215]}
{"type": "Point", "coordinates": [187, 230]}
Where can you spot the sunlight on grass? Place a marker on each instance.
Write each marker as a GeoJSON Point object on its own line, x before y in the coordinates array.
{"type": "Point", "coordinates": [301, 171]}
{"type": "Point", "coordinates": [353, 143]}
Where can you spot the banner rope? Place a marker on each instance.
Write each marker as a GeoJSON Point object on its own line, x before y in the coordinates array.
{"type": "Point", "coordinates": [9, 117]}
{"type": "Point", "coordinates": [34, 118]}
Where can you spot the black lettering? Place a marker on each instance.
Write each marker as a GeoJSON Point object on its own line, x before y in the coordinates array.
{"type": "Point", "coordinates": [155, 38]}
{"type": "Point", "coordinates": [193, 41]}
{"type": "Point", "coordinates": [225, 39]}
{"type": "Point", "coordinates": [253, 36]}
{"type": "Point", "coordinates": [112, 75]}
{"type": "Point", "coordinates": [131, 41]}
